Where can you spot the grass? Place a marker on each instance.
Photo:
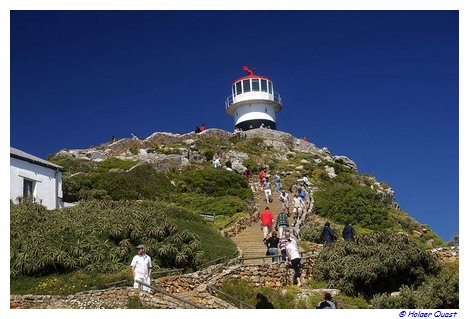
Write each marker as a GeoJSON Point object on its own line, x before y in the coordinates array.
{"type": "Point", "coordinates": [69, 283]}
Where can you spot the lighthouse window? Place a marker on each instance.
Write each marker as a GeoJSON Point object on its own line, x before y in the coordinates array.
{"type": "Point", "coordinates": [270, 87]}
{"type": "Point", "coordinates": [255, 84]}
{"type": "Point", "coordinates": [233, 90]}
{"type": "Point", "coordinates": [246, 86]}
{"type": "Point", "coordinates": [238, 88]}
{"type": "Point", "coordinates": [264, 85]}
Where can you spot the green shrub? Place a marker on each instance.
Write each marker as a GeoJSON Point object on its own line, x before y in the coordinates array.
{"type": "Point", "coordinates": [101, 236]}
{"type": "Point", "coordinates": [356, 204]}
{"type": "Point", "coordinates": [114, 163]}
{"type": "Point", "coordinates": [223, 205]}
{"type": "Point", "coordinates": [375, 263]}
{"type": "Point", "coordinates": [441, 292]}
{"type": "Point", "coordinates": [312, 231]}
{"type": "Point", "coordinates": [143, 182]}
{"type": "Point", "coordinates": [73, 165]}
{"type": "Point", "coordinates": [214, 182]}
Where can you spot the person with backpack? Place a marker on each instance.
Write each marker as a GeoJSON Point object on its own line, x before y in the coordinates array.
{"type": "Point", "coordinates": [327, 303]}
{"type": "Point", "coordinates": [282, 222]}
{"type": "Point", "coordinates": [272, 246]}
{"type": "Point", "coordinates": [348, 233]}
{"type": "Point", "coordinates": [298, 205]}
{"type": "Point", "coordinates": [327, 234]}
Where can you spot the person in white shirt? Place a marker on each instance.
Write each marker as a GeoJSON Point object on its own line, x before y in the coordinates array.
{"type": "Point", "coordinates": [141, 268]}
{"type": "Point", "coordinates": [284, 198]}
{"type": "Point", "coordinates": [298, 205]}
{"type": "Point", "coordinates": [293, 256]}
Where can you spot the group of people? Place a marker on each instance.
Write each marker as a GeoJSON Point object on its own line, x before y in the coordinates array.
{"type": "Point", "coordinates": [328, 236]}
{"type": "Point", "coordinates": [282, 246]}
{"type": "Point", "coordinates": [264, 303]}
{"type": "Point", "coordinates": [217, 164]}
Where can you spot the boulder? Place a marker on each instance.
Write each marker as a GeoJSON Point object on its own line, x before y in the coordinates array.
{"type": "Point", "coordinates": [344, 160]}
{"type": "Point", "coordinates": [330, 171]}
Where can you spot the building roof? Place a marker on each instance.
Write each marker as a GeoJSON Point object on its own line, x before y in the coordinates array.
{"type": "Point", "coordinates": [16, 153]}
{"type": "Point", "coordinates": [252, 76]}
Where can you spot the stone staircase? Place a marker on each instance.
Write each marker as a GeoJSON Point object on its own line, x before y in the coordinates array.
{"type": "Point", "coordinates": [250, 240]}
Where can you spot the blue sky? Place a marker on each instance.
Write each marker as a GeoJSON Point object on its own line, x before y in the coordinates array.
{"type": "Point", "coordinates": [380, 87]}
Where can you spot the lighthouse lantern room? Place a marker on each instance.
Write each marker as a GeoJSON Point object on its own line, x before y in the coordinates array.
{"type": "Point", "coordinates": [253, 102]}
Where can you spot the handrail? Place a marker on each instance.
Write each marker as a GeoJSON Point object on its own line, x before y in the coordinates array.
{"type": "Point", "coordinates": [240, 302]}
{"type": "Point", "coordinates": [163, 292]}
{"type": "Point", "coordinates": [214, 262]}
{"type": "Point", "coordinates": [275, 97]}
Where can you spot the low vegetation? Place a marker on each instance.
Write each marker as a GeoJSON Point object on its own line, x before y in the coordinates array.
{"type": "Point", "coordinates": [100, 236]}
{"type": "Point", "coordinates": [375, 263]}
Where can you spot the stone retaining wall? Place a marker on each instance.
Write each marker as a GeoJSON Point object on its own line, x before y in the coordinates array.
{"type": "Point", "coordinates": [445, 253]}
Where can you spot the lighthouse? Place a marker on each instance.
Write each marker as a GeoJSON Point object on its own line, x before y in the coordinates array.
{"type": "Point", "coordinates": [253, 102]}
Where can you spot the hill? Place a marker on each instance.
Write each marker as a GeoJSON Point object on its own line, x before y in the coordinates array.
{"type": "Point", "coordinates": [179, 164]}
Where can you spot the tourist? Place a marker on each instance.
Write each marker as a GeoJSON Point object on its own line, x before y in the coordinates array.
{"type": "Point", "coordinates": [282, 246]}
{"type": "Point", "coordinates": [293, 256]}
{"type": "Point", "coordinates": [267, 190]}
{"type": "Point", "coordinates": [327, 234]}
{"type": "Point", "coordinates": [141, 268]}
{"type": "Point", "coordinates": [247, 173]}
{"type": "Point", "coordinates": [278, 183]}
{"type": "Point", "coordinates": [216, 163]}
{"type": "Point", "coordinates": [297, 206]}
{"type": "Point", "coordinates": [272, 246]}
{"type": "Point", "coordinates": [263, 302]}
{"type": "Point", "coordinates": [289, 238]}
{"type": "Point", "coordinates": [261, 176]}
{"type": "Point", "coordinates": [306, 182]}
{"type": "Point", "coordinates": [348, 233]}
{"type": "Point", "coordinates": [285, 201]}
{"type": "Point", "coordinates": [327, 303]}
{"type": "Point", "coordinates": [266, 220]}
{"type": "Point", "coordinates": [202, 127]}
{"type": "Point", "coordinates": [282, 222]}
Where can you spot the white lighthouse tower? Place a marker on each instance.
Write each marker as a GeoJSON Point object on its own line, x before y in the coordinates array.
{"type": "Point", "coordinates": [253, 102]}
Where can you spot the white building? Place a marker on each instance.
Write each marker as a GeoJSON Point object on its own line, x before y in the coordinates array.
{"type": "Point", "coordinates": [253, 102]}
{"type": "Point", "coordinates": [33, 177]}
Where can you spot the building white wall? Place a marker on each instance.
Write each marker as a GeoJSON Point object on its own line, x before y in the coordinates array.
{"type": "Point", "coordinates": [47, 182]}
{"type": "Point", "coordinates": [254, 111]}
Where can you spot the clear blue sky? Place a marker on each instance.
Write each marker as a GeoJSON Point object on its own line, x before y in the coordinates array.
{"type": "Point", "coordinates": [380, 87]}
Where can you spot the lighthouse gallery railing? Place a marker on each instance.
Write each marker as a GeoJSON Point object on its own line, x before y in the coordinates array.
{"type": "Point", "coordinates": [275, 97]}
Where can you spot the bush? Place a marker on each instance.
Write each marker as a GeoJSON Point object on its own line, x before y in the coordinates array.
{"type": "Point", "coordinates": [143, 182]}
{"type": "Point", "coordinates": [312, 231]}
{"type": "Point", "coordinates": [375, 263]}
{"type": "Point", "coordinates": [224, 205]}
{"type": "Point", "coordinates": [101, 236]}
{"type": "Point", "coordinates": [441, 292]}
{"type": "Point", "coordinates": [355, 204]}
{"type": "Point", "coordinates": [214, 182]}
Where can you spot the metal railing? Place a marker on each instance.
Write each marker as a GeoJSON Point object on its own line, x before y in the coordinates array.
{"type": "Point", "coordinates": [272, 97]}
{"type": "Point", "coordinates": [163, 292]}
{"type": "Point", "coordinates": [239, 303]}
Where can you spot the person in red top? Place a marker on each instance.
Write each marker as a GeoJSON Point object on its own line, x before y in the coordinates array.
{"type": "Point", "coordinates": [261, 176]}
{"type": "Point", "coordinates": [266, 219]}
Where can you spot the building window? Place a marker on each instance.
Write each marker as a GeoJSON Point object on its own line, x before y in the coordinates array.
{"type": "Point", "coordinates": [255, 84]}
{"type": "Point", "coordinates": [28, 188]}
{"type": "Point", "coordinates": [238, 88]}
{"type": "Point", "coordinates": [246, 86]}
{"type": "Point", "coordinates": [270, 87]}
{"type": "Point", "coordinates": [233, 90]}
{"type": "Point", "coordinates": [264, 85]}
